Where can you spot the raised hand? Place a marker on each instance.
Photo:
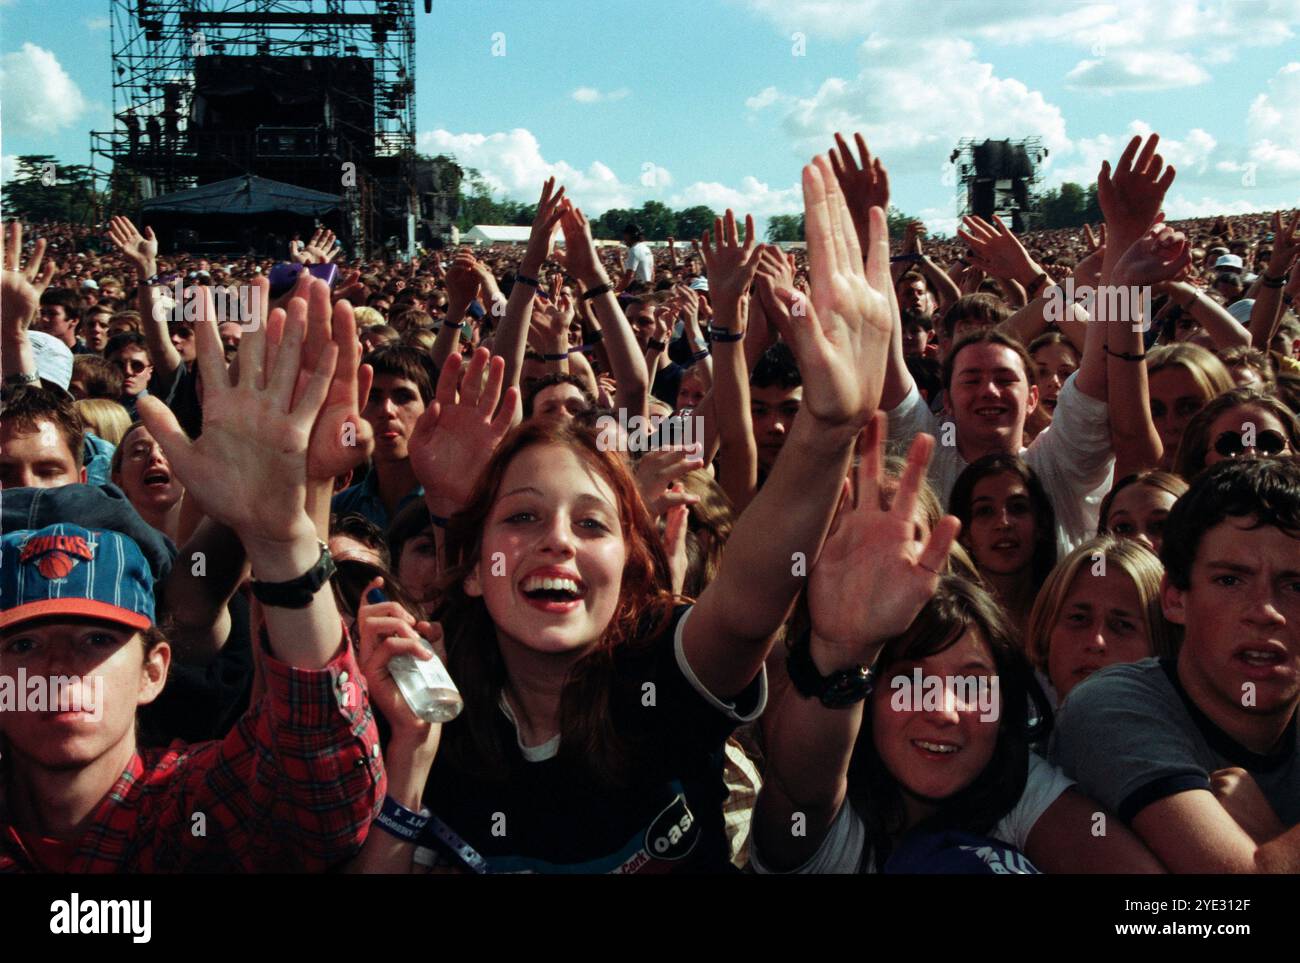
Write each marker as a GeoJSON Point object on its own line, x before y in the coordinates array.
{"type": "Point", "coordinates": [340, 438]}
{"type": "Point", "coordinates": [21, 287]}
{"type": "Point", "coordinates": [550, 208]}
{"type": "Point", "coordinates": [319, 250]}
{"type": "Point", "coordinates": [840, 338]}
{"type": "Point", "coordinates": [1286, 244]}
{"type": "Point", "coordinates": [553, 316]}
{"type": "Point", "coordinates": [1132, 194]}
{"type": "Point", "coordinates": [463, 282]}
{"type": "Point", "coordinates": [248, 470]}
{"type": "Point", "coordinates": [730, 265]}
{"type": "Point", "coordinates": [580, 258]}
{"type": "Point", "coordinates": [457, 434]}
{"type": "Point", "coordinates": [140, 250]}
{"type": "Point", "coordinates": [865, 185]}
{"type": "Point", "coordinates": [659, 469]}
{"type": "Point", "coordinates": [873, 574]}
{"type": "Point", "coordinates": [996, 250]}
{"type": "Point", "coordinates": [1162, 254]}
{"type": "Point", "coordinates": [912, 235]}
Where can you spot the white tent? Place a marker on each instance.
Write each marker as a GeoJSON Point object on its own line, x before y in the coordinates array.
{"type": "Point", "coordinates": [496, 234]}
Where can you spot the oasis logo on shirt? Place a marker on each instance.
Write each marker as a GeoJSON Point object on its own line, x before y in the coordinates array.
{"type": "Point", "coordinates": [674, 832]}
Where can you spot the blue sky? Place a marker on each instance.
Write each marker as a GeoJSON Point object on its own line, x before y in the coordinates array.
{"type": "Point", "coordinates": [721, 101]}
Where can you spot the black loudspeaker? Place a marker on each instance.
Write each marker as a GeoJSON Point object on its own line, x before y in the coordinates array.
{"type": "Point", "coordinates": [1020, 191]}
{"type": "Point", "coordinates": [981, 199]}
{"type": "Point", "coordinates": [991, 159]}
{"type": "Point", "coordinates": [1018, 163]}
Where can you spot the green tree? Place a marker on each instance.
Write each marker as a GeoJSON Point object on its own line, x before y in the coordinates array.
{"type": "Point", "coordinates": [897, 221]}
{"type": "Point", "coordinates": [42, 189]}
{"type": "Point", "coordinates": [785, 227]}
{"type": "Point", "coordinates": [694, 221]}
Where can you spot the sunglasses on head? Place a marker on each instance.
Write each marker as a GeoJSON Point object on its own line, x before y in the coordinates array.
{"type": "Point", "coordinates": [1267, 442]}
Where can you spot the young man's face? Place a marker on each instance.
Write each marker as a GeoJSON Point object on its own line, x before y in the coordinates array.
{"type": "Point", "coordinates": [107, 660]}
{"type": "Point", "coordinates": [1241, 619]}
{"type": "Point", "coordinates": [1053, 364]}
{"type": "Point", "coordinates": [94, 330]}
{"type": "Point", "coordinates": [915, 340]}
{"type": "Point", "coordinates": [773, 410]}
{"type": "Point", "coordinates": [558, 402]}
{"type": "Point", "coordinates": [55, 322]}
{"type": "Point", "coordinates": [133, 360]}
{"type": "Point", "coordinates": [182, 336]}
{"type": "Point", "coordinates": [145, 474]}
{"type": "Point", "coordinates": [914, 295]}
{"type": "Point", "coordinates": [642, 319]}
{"type": "Point", "coordinates": [36, 459]}
{"type": "Point", "coordinates": [990, 396]}
{"type": "Point", "coordinates": [393, 408]}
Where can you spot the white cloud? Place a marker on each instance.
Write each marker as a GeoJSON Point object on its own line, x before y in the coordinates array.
{"type": "Point", "coordinates": [39, 96]}
{"type": "Point", "coordinates": [913, 100]}
{"type": "Point", "coordinates": [1273, 123]}
{"type": "Point", "coordinates": [591, 95]}
{"type": "Point", "coordinates": [1178, 206]}
{"type": "Point", "coordinates": [8, 166]}
{"type": "Point", "coordinates": [1137, 70]}
{"type": "Point", "coordinates": [752, 197]}
{"type": "Point", "coordinates": [511, 162]}
{"type": "Point", "coordinates": [764, 98]}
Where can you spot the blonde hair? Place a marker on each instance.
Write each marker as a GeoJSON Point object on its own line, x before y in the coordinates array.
{"type": "Point", "coordinates": [1136, 561]}
{"type": "Point", "coordinates": [105, 418]}
{"type": "Point", "coordinates": [1210, 374]}
{"type": "Point", "coordinates": [366, 316]}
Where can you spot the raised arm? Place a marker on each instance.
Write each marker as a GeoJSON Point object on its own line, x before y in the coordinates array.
{"type": "Point", "coordinates": [510, 340]}
{"type": "Point", "coordinates": [20, 300]}
{"type": "Point", "coordinates": [732, 267]}
{"type": "Point", "coordinates": [248, 470]}
{"type": "Point", "coordinates": [868, 584]}
{"type": "Point", "coordinates": [625, 358]}
{"type": "Point", "coordinates": [142, 251]}
{"type": "Point", "coordinates": [1268, 301]}
{"type": "Point", "coordinates": [839, 340]}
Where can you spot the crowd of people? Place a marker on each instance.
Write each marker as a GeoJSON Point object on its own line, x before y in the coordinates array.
{"type": "Point", "coordinates": [976, 555]}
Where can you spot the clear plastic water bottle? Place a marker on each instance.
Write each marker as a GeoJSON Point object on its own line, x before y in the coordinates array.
{"type": "Point", "coordinates": [424, 683]}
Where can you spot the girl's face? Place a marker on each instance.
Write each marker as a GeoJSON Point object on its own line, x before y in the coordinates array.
{"type": "Point", "coordinates": [1001, 534]}
{"type": "Point", "coordinates": [1100, 624]}
{"type": "Point", "coordinates": [1249, 431]}
{"type": "Point", "coordinates": [1175, 400]}
{"type": "Point", "coordinates": [552, 557]}
{"type": "Point", "coordinates": [938, 747]}
{"type": "Point", "coordinates": [146, 476]}
{"type": "Point", "coordinates": [103, 662]}
{"type": "Point", "coordinates": [1140, 512]}
{"type": "Point", "coordinates": [1053, 365]}
{"type": "Point", "coordinates": [417, 568]}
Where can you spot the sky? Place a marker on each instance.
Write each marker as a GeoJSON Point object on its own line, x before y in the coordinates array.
{"type": "Point", "coordinates": [720, 102]}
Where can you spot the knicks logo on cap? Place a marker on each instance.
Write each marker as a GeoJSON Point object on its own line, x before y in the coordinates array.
{"type": "Point", "coordinates": [57, 555]}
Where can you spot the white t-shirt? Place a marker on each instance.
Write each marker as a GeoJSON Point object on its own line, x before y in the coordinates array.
{"type": "Point", "coordinates": [641, 262]}
{"type": "Point", "coordinates": [842, 851]}
{"type": "Point", "coordinates": [1073, 458]}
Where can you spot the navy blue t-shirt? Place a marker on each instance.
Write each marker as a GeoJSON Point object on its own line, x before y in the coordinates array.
{"type": "Point", "coordinates": [549, 815]}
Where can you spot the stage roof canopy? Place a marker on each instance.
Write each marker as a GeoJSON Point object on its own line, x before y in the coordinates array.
{"type": "Point", "coordinates": [245, 195]}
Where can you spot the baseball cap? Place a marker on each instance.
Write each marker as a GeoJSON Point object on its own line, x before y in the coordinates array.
{"type": "Point", "coordinates": [1241, 309]}
{"type": "Point", "coordinates": [90, 284]}
{"type": "Point", "coordinates": [1228, 262]}
{"type": "Point", "coordinates": [73, 571]}
{"type": "Point", "coordinates": [956, 852]}
{"type": "Point", "coordinates": [53, 359]}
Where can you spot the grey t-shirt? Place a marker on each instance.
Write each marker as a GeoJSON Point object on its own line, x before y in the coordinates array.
{"type": "Point", "coordinates": [1130, 736]}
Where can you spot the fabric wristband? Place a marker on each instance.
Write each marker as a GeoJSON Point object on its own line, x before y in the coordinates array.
{"type": "Point", "coordinates": [656, 345]}
{"type": "Point", "coordinates": [456, 326]}
{"type": "Point", "coordinates": [525, 279]}
{"type": "Point", "coordinates": [725, 336]}
{"type": "Point", "coordinates": [596, 292]}
{"type": "Point", "coordinates": [564, 356]}
{"type": "Point", "coordinates": [400, 821]}
{"type": "Point", "coordinates": [700, 355]}
{"type": "Point", "coordinates": [1126, 357]}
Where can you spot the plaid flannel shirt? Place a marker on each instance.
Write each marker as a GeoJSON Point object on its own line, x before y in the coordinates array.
{"type": "Point", "coordinates": [292, 787]}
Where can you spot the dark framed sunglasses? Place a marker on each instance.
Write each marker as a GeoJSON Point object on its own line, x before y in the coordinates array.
{"type": "Point", "coordinates": [1267, 442]}
{"type": "Point", "coordinates": [134, 366]}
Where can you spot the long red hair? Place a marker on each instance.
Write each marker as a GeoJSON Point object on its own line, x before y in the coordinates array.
{"type": "Point", "coordinates": [588, 732]}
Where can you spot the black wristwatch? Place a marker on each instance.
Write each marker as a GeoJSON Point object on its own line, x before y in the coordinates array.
{"type": "Point", "coordinates": [839, 690]}
{"type": "Point", "coordinates": [297, 593]}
